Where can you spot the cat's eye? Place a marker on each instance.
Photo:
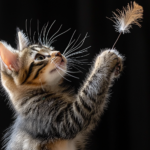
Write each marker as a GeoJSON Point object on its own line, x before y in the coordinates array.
{"type": "Point", "coordinates": [39, 57]}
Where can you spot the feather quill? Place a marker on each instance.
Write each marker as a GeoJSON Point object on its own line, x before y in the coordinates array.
{"type": "Point", "coordinates": [130, 15]}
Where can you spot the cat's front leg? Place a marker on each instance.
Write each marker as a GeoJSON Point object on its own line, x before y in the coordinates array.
{"type": "Point", "coordinates": [92, 96]}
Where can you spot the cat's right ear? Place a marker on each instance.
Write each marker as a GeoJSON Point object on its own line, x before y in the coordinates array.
{"type": "Point", "coordinates": [23, 40]}
{"type": "Point", "coordinates": [9, 58]}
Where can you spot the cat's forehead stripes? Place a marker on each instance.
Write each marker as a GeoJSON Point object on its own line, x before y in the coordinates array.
{"type": "Point", "coordinates": [40, 47]}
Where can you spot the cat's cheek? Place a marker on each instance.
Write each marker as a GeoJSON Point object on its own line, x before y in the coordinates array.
{"type": "Point", "coordinates": [53, 78]}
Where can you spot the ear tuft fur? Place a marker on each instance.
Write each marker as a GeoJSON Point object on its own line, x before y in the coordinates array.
{"type": "Point", "coordinates": [23, 41]}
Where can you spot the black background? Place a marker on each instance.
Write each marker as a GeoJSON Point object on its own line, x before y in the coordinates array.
{"type": "Point", "coordinates": [125, 124]}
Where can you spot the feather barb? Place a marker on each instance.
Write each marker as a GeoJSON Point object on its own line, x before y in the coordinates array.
{"type": "Point", "coordinates": [124, 19]}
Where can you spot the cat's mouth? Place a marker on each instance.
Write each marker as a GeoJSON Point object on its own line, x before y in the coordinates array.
{"type": "Point", "coordinates": [58, 66]}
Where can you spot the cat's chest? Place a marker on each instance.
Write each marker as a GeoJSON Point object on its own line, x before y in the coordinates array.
{"type": "Point", "coordinates": [59, 145]}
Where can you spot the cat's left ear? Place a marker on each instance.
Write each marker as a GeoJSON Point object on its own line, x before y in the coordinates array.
{"type": "Point", "coordinates": [9, 58]}
{"type": "Point", "coordinates": [23, 41]}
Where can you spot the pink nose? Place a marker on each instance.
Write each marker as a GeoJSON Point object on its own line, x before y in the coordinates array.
{"type": "Point", "coordinates": [58, 54]}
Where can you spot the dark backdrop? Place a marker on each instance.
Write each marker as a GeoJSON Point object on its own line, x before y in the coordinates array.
{"type": "Point", "coordinates": [125, 124]}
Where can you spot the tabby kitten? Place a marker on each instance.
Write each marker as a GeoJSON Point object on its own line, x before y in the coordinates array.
{"type": "Point", "coordinates": [48, 117]}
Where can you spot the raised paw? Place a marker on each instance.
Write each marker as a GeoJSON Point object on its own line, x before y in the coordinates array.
{"type": "Point", "coordinates": [111, 60]}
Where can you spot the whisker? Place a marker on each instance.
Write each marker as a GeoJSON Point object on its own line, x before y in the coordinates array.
{"type": "Point", "coordinates": [60, 73]}
{"type": "Point", "coordinates": [70, 71]}
{"type": "Point", "coordinates": [70, 42]}
{"type": "Point", "coordinates": [62, 76]}
{"type": "Point", "coordinates": [40, 40]}
{"type": "Point", "coordinates": [48, 31]}
{"type": "Point", "coordinates": [52, 40]}
{"type": "Point", "coordinates": [26, 26]}
{"type": "Point", "coordinates": [71, 66]}
{"type": "Point", "coordinates": [75, 41]}
{"type": "Point", "coordinates": [34, 36]}
{"type": "Point", "coordinates": [52, 60]}
{"type": "Point", "coordinates": [30, 29]}
{"type": "Point", "coordinates": [73, 71]}
{"type": "Point", "coordinates": [38, 28]}
{"type": "Point", "coordinates": [81, 56]}
{"type": "Point", "coordinates": [79, 52]}
{"type": "Point", "coordinates": [68, 66]}
{"type": "Point", "coordinates": [67, 73]}
{"type": "Point", "coordinates": [77, 68]}
{"type": "Point", "coordinates": [71, 51]}
{"type": "Point", "coordinates": [44, 31]}
{"type": "Point", "coordinates": [77, 46]}
{"type": "Point", "coordinates": [79, 62]}
{"type": "Point", "coordinates": [76, 65]}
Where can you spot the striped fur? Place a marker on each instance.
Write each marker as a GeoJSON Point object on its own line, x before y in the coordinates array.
{"type": "Point", "coordinates": [48, 117]}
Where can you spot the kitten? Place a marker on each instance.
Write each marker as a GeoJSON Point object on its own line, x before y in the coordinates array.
{"type": "Point", "coordinates": [48, 116]}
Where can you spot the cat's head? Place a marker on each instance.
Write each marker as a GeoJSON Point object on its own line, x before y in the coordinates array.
{"type": "Point", "coordinates": [30, 65]}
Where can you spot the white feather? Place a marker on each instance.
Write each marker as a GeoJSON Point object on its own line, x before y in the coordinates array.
{"type": "Point", "coordinates": [125, 18]}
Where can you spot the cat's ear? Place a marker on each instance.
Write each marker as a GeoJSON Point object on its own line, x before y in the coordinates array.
{"type": "Point", "coordinates": [9, 58]}
{"type": "Point", "coordinates": [23, 41]}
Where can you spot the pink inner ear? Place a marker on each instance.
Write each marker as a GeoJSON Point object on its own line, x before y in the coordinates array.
{"type": "Point", "coordinates": [9, 58]}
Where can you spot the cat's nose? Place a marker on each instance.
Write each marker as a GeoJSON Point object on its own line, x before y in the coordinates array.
{"type": "Point", "coordinates": [58, 54]}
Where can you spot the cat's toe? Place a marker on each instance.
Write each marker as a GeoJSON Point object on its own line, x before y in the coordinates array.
{"type": "Point", "coordinates": [118, 67]}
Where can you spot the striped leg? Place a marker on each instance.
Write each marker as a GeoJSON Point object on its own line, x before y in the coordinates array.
{"type": "Point", "coordinates": [92, 96]}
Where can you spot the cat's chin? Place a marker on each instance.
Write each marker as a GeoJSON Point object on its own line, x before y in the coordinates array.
{"type": "Point", "coordinates": [60, 67]}
{"type": "Point", "coordinates": [55, 77]}
{"type": "Point", "coordinates": [53, 74]}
